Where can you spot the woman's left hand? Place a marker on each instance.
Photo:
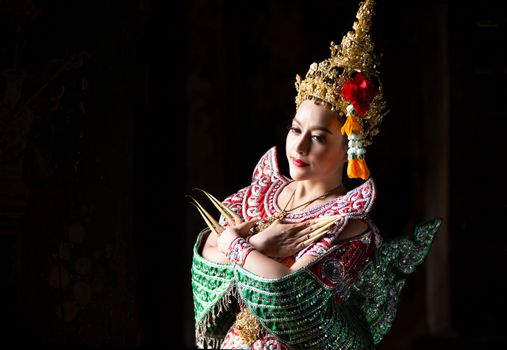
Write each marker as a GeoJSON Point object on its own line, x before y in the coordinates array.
{"type": "Point", "coordinates": [282, 239]}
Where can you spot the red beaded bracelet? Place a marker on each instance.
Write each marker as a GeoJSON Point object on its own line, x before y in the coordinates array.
{"type": "Point", "coordinates": [238, 251]}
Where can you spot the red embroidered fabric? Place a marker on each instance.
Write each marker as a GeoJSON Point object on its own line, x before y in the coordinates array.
{"type": "Point", "coordinates": [260, 200]}
{"type": "Point", "coordinates": [337, 263]}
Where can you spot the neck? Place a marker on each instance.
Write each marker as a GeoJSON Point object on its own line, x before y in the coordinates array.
{"type": "Point", "coordinates": [307, 190]}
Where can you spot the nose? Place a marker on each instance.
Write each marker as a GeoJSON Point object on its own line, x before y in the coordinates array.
{"type": "Point", "coordinates": [302, 144]}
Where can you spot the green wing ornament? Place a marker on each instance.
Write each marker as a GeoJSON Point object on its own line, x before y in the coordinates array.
{"type": "Point", "coordinates": [378, 287]}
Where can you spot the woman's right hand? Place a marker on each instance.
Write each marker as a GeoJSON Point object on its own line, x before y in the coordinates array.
{"type": "Point", "coordinates": [280, 240]}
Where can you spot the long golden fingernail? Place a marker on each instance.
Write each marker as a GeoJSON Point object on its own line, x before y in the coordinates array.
{"type": "Point", "coordinates": [226, 212]}
{"type": "Point", "coordinates": [214, 226]}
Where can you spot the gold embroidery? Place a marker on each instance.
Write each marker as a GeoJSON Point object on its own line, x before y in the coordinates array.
{"type": "Point", "coordinates": [247, 326]}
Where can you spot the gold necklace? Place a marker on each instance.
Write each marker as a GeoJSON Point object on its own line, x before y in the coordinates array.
{"type": "Point", "coordinates": [264, 223]}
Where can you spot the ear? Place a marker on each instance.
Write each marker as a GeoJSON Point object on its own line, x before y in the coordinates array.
{"type": "Point", "coordinates": [345, 156]}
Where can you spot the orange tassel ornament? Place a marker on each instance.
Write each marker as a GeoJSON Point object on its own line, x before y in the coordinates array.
{"type": "Point", "coordinates": [357, 168]}
{"type": "Point", "coordinates": [351, 126]}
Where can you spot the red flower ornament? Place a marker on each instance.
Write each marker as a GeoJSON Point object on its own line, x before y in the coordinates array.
{"type": "Point", "coordinates": [360, 91]}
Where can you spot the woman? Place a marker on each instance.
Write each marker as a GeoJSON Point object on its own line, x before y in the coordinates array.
{"type": "Point", "coordinates": [317, 151]}
{"type": "Point", "coordinates": [289, 264]}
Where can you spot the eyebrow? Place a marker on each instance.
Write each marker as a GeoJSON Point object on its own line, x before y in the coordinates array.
{"type": "Point", "coordinates": [322, 128]}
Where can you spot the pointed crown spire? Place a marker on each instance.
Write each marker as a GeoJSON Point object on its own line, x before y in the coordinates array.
{"type": "Point", "coordinates": [348, 82]}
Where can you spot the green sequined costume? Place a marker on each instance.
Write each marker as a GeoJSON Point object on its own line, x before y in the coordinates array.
{"type": "Point", "coordinates": [298, 309]}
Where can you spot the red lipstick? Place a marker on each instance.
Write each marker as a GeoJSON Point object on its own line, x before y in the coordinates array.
{"type": "Point", "coordinates": [298, 162]}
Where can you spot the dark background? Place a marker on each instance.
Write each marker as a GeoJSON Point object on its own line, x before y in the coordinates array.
{"type": "Point", "coordinates": [112, 111]}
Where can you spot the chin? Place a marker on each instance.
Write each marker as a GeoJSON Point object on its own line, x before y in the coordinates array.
{"type": "Point", "coordinates": [298, 174]}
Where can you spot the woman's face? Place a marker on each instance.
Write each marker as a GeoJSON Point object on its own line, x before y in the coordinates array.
{"type": "Point", "coordinates": [315, 147]}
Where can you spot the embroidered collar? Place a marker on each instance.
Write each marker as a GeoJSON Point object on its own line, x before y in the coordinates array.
{"type": "Point", "coordinates": [266, 175]}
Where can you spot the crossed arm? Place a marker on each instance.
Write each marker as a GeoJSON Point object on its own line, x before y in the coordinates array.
{"type": "Point", "coordinates": [278, 240]}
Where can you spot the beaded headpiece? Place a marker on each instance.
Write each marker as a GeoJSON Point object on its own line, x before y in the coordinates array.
{"type": "Point", "coordinates": [348, 82]}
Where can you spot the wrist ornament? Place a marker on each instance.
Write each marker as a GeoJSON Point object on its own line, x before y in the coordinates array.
{"type": "Point", "coordinates": [238, 251]}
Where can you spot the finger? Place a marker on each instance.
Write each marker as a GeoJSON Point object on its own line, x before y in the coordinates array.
{"type": "Point", "coordinates": [238, 220]}
{"type": "Point", "coordinates": [214, 226]}
{"type": "Point", "coordinates": [316, 235]}
{"type": "Point", "coordinates": [303, 237]}
{"type": "Point", "coordinates": [224, 210]}
{"type": "Point", "coordinates": [295, 229]}
{"type": "Point", "coordinates": [326, 219]}
{"type": "Point", "coordinates": [303, 224]}
{"type": "Point", "coordinates": [215, 233]}
{"type": "Point", "coordinates": [252, 223]}
{"type": "Point", "coordinates": [230, 222]}
{"type": "Point", "coordinates": [247, 224]}
{"type": "Point", "coordinates": [312, 233]}
{"type": "Point", "coordinates": [307, 227]}
{"type": "Point", "coordinates": [294, 226]}
{"type": "Point", "coordinates": [303, 241]}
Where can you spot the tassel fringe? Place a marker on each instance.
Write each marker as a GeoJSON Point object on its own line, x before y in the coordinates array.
{"type": "Point", "coordinates": [357, 168]}
{"type": "Point", "coordinates": [205, 341]}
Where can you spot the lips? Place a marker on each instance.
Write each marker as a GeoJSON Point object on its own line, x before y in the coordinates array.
{"type": "Point", "coordinates": [298, 162]}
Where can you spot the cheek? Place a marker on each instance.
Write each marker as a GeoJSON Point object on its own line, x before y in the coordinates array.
{"type": "Point", "coordinates": [331, 156]}
{"type": "Point", "coordinates": [342, 150]}
{"type": "Point", "coordinates": [289, 140]}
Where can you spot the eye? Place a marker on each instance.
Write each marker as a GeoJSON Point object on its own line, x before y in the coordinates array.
{"type": "Point", "coordinates": [294, 129]}
{"type": "Point", "coordinates": [319, 138]}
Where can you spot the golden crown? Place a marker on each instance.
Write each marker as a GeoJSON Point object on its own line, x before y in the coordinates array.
{"type": "Point", "coordinates": [348, 82]}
